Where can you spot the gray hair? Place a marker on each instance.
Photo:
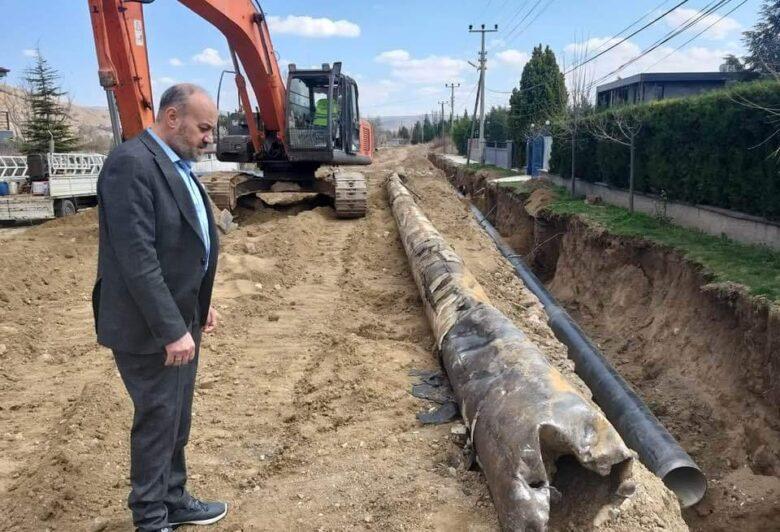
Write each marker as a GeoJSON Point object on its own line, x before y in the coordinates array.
{"type": "Point", "coordinates": [178, 96]}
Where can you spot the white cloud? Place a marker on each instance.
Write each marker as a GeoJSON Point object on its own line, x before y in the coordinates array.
{"type": "Point", "coordinates": [719, 31]}
{"type": "Point", "coordinates": [175, 61]}
{"type": "Point", "coordinates": [211, 57]}
{"type": "Point", "coordinates": [166, 80]}
{"type": "Point", "coordinates": [496, 43]}
{"type": "Point", "coordinates": [30, 52]}
{"type": "Point", "coordinates": [431, 69]}
{"type": "Point", "coordinates": [392, 56]}
{"type": "Point", "coordinates": [513, 58]}
{"type": "Point", "coordinates": [313, 27]}
{"type": "Point", "coordinates": [662, 59]}
{"type": "Point", "coordinates": [375, 95]}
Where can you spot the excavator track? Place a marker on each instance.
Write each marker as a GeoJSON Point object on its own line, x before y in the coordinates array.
{"type": "Point", "coordinates": [225, 188]}
{"type": "Point", "coordinates": [348, 190]}
{"type": "Point", "coordinates": [351, 194]}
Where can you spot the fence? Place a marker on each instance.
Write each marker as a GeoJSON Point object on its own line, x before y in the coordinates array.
{"type": "Point", "coordinates": [499, 154]}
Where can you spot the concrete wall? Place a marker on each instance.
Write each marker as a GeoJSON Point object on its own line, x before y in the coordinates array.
{"type": "Point", "coordinates": [711, 220]}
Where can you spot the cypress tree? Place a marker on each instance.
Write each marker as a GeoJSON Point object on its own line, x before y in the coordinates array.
{"type": "Point", "coordinates": [541, 96]}
{"type": "Point", "coordinates": [46, 111]}
{"type": "Point", "coordinates": [763, 41]}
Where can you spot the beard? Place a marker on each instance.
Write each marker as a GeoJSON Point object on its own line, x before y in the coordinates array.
{"type": "Point", "coordinates": [184, 149]}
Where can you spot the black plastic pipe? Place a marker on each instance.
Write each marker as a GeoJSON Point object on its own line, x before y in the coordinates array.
{"type": "Point", "coordinates": [640, 429]}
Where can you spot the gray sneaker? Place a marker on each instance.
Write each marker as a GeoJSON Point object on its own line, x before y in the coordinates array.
{"type": "Point", "coordinates": [197, 512]}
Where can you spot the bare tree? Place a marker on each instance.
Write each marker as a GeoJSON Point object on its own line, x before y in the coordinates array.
{"type": "Point", "coordinates": [568, 124]}
{"type": "Point", "coordinates": [621, 128]}
{"type": "Point", "coordinates": [772, 113]}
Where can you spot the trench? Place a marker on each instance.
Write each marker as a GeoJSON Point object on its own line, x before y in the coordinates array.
{"type": "Point", "coordinates": [704, 358]}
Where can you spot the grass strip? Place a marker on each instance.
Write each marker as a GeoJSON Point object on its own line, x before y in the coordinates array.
{"type": "Point", "coordinates": [755, 267]}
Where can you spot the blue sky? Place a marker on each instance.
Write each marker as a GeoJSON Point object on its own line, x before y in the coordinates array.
{"type": "Point", "coordinates": [401, 52]}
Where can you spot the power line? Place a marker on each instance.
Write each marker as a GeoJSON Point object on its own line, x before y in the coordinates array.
{"type": "Point", "coordinates": [516, 13]}
{"type": "Point", "coordinates": [541, 11]}
{"type": "Point", "coordinates": [669, 36]}
{"type": "Point", "coordinates": [530, 23]}
{"type": "Point", "coordinates": [615, 45]}
{"type": "Point", "coordinates": [611, 47]}
{"type": "Point", "coordinates": [686, 43]}
{"type": "Point", "coordinates": [634, 23]}
{"type": "Point", "coordinates": [693, 19]}
{"type": "Point", "coordinates": [527, 14]}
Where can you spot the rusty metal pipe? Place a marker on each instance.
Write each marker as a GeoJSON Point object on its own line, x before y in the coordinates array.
{"type": "Point", "coordinates": [523, 413]}
{"type": "Point", "coordinates": [640, 429]}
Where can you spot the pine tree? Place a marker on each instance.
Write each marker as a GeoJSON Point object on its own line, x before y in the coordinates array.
{"type": "Point", "coordinates": [497, 124]}
{"type": "Point", "coordinates": [47, 116]}
{"type": "Point", "coordinates": [731, 63]}
{"type": "Point", "coordinates": [763, 41]}
{"type": "Point", "coordinates": [428, 130]}
{"type": "Point", "coordinates": [416, 132]}
{"type": "Point", "coordinates": [461, 128]}
{"type": "Point", "coordinates": [541, 96]}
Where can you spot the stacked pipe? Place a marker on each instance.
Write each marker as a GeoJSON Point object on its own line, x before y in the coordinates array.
{"type": "Point", "coordinates": [523, 414]}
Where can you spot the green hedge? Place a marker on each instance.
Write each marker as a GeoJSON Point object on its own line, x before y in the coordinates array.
{"type": "Point", "coordinates": [706, 149]}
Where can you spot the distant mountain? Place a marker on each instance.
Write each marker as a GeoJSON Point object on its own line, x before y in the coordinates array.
{"type": "Point", "coordinates": [92, 124]}
{"type": "Point", "coordinates": [392, 123]}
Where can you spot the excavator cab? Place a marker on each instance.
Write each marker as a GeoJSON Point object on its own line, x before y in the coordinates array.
{"type": "Point", "coordinates": [323, 117]}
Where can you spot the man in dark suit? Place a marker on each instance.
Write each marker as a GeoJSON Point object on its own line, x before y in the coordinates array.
{"type": "Point", "coordinates": [152, 298]}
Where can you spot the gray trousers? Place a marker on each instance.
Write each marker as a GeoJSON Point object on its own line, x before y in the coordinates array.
{"type": "Point", "coordinates": [162, 399]}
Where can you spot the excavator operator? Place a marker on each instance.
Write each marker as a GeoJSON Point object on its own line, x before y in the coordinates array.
{"type": "Point", "coordinates": [321, 112]}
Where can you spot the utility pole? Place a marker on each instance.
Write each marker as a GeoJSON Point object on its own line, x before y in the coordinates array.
{"type": "Point", "coordinates": [441, 126]}
{"type": "Point", "coordinates": [452, 87]}
{"type": "Point", "coordinates": [482, 67]}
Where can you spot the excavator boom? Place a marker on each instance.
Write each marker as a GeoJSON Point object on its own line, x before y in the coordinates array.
{"type": "Point", "coordinates": [120, 41]}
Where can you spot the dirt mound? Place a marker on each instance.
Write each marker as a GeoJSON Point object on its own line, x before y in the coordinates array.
{"type": "Point", "coordinates": [538, 200]}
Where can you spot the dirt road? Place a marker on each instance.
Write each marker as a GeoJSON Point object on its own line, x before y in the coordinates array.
{"type": "Point", "coordinates": [302, 418]}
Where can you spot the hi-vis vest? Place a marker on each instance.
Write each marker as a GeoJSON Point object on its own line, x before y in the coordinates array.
{"type": "Point", "coordinates": [321, 112]}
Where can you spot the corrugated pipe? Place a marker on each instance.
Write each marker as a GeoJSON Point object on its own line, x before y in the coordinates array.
{"type": "Point", "coordinates": [640, 429]}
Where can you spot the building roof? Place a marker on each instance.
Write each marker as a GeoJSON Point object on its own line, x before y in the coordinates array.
{"type": "Point", "coordinates": [4, 70]}
{"type": "Point", "coordinates": [671, 76]}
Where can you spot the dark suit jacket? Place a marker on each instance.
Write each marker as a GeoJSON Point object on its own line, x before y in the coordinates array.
{"type": "Point", "coordinates": [151, 283]}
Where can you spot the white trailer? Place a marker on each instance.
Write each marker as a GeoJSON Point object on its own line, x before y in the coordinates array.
{"type": "Point", "coordinates": [56, 185]}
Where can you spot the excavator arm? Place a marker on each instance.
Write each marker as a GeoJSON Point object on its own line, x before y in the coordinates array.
{"type": "Point", "coordinates": [120, 41]}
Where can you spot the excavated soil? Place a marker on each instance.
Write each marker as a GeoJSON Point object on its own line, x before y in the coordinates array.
{"type": "Point", "coordinates": [700, 355]}
{"type": "Point", "coordinates": [705, 357]}
{"type": "Point", "coordinates": [303, 418]}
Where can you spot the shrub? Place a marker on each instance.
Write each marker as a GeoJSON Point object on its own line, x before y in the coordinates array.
{"type": "Point", "coordinates": [711, 149]}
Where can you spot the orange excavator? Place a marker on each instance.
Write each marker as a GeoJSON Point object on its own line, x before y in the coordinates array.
{"type": "Point", "coordinates": [312, 121]}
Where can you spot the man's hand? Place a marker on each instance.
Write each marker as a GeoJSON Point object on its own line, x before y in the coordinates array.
{"type": "Point", "coordinates": [211, 321]}
{"type": "Point", "coordinates": [180, 352]}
